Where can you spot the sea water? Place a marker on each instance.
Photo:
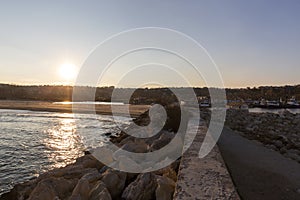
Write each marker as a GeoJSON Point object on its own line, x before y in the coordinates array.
{"type": "Point", "coordinates": [35, 142]}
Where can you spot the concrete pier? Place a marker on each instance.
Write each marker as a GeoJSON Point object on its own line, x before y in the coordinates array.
{"type": "Point", "coordinates": [206, 178]}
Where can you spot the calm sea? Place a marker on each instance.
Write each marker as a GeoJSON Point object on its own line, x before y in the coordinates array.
{"type": "Point", "coordinates": [35, 142]}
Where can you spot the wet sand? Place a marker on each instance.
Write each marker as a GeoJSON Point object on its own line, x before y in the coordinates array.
{"type": "Point", "coordinates": [135, 110]}
{"type": "Point", "coordinates": [258, 172]}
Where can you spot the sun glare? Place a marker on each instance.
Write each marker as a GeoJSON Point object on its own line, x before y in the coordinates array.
{"type": "Point", "coordinates": [68, 71]}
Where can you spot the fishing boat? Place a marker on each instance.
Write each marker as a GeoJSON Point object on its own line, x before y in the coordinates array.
{"type": "Point", "coordinates": [272, 104]}
{"type": "Point", "coordinates": [292, 103]}
{"type": "Point", "coordinates": [205, 104]}
{"type": "Point", "coordinates": [268, 104]}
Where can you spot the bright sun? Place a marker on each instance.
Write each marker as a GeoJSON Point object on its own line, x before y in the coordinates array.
{"type": "Point", "coordinates": [68, 71]}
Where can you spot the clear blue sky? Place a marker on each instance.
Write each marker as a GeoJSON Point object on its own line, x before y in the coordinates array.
{"type": "Point", "coordinates": [253, 42]}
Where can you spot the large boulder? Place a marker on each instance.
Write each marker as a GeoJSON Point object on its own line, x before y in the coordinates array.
{"type": "Point", "coordinates": [84, 185]}
{"type": "Point", "coordinates": [104, 154]}
{"type": "Point", "coordinates": [114, 181]}
{"type": "Point", "coordinates": [137, 146]}
{"type": "Point", "coordinates": [68, 172]}
{"type": "Point", "coordinates": [143, 188]}
{"type": "Point", "coordinates": [89, 161]}
{"type": "Point", "coordinates": [165, 188]}
{"type": "Point", "coordinates": [168, 172]}
{"type": "Point", "coordinates": [99, 192]}
{"type": "Point", "coordinates": [278, 144]}
{"type": "Point", "coordinates": [81, 191]}
{"type": "Point", "coordinates": [53, 188]}
{"type": "Point", "coordinates": [43, 191]}
{"type": "Point", "coordinates": [126, 140]}
{"type": "Point", "coordinates": [65, 177]}
{"type": "Point", "coordinates": [162, 141]}
{"type": "Point", "coordinates": [127, 164]}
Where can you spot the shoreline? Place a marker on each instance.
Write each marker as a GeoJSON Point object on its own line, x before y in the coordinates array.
{"type": "Point", "coordinates": [88, 178]}
{"type": "Point", "coordinates": [46, 106]}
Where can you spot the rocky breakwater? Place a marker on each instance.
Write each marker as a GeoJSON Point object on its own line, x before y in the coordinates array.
{"type": "Point", "coordinates": [88, 178]}
{"type": "Point", "coordinates": [280, 132]}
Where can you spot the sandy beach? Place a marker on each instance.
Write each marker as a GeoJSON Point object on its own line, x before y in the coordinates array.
{"type": "Point", "coordinates": [135, 110]}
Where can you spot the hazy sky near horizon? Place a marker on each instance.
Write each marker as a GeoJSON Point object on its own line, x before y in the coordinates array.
{"type": "Point", "coordinates": [252, 42]}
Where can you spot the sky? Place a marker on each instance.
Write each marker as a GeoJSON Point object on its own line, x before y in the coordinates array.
{"type": "Point", "coordinates": [253, 43]}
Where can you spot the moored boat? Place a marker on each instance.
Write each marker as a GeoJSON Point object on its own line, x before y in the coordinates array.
{"type": "Point", "coordinates": [268, 104]}
{"type": "Point", "coordinates": [292, 103]}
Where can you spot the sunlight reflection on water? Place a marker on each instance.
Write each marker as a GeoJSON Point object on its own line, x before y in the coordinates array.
{"type": "Point", "coordinates": [64, 140]}
{"type": "Point", "coordinates": [34, 142]}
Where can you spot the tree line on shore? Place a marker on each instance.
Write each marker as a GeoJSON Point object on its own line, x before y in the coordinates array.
{"type": "Point", "coordinates": [139, 96]}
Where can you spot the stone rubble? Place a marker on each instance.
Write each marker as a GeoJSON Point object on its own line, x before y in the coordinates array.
{"type": "Point", "coordinates": [279, 132]}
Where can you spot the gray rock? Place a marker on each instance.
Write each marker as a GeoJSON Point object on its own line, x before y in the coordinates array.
{"type": "Point", "coordinates": [138, 146]}
{"type": "Point", "coordinates": [83, 187]}
{"type": "Point", "coordinates": [293, 156]}
{"type": "Point", "coordinates": [127, 164]}
{"type": "Point", "coordinates": [167, 172]}
{"type": "Point", "coordinates": [294, 151]}
{"type": "Point", "coordinates": [104, 154]}
{"type": "Point", "coordinates": [282, 150]}
{"type": "Point", "coordinates": [99, 192]}
{"type": "Point", "coordinates": [162, 141]}
{"type": "Point", "coordinates": [52, 188]}
{"type": "Point", "coordinates": [165, 188]}
{"type": "Point", "coordinates": [278, 144]}
{"type": "Point", "coordinates": [143, 188]}
{"type": "Point", "coordinates": [92, 176]}
{"type": "Point", "coordinates": [126, 140]}
{"type": "Point", "coordinates": [89, 161]}
{"type": "Point", "coordinates": [114, 181]}
{"type": "Point", "coordinates": [81, 191]}
{"type": "Point", "coordinates": [131, 146]}
{"type": "Point", "coordinates": [249, 128]}
{"type": "Point", "coordinates": [271, 146]}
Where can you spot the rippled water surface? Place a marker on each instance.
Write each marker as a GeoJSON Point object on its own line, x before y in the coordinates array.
{"type": "Point", "coordinates": [34, 142]}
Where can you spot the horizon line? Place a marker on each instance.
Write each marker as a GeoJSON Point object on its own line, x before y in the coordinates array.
{"type": "Point", "coordinates": [67, 85]}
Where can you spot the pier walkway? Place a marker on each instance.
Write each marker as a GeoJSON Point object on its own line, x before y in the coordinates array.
{"type": "Point", "coordinates": [205, 178]}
